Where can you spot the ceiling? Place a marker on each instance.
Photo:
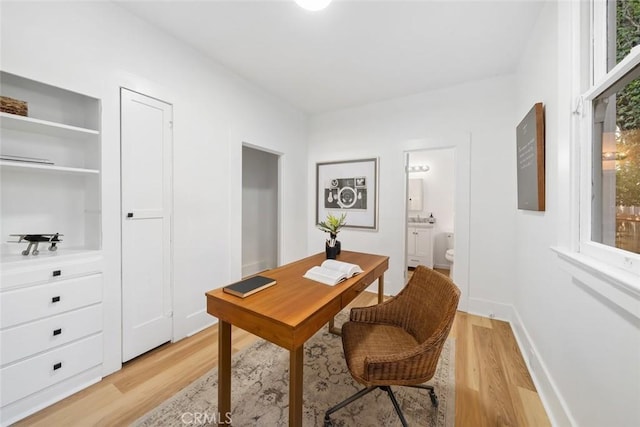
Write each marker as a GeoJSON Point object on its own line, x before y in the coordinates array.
{"type": "Point", "coordinates": [354, 52]}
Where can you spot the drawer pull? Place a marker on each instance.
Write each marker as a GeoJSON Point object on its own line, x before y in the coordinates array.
{"type": "Point", "coordinates": [57, 332]}
{"type": "Point", "coordinates": [57, 273]}
{"type": "Point", "coordinates": [57, 366]}
{"type": "Point", "coordinates": [55, 299]}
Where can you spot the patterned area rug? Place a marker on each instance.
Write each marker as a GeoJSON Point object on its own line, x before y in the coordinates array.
{"type": "Point", "coordinates": [260, 390]}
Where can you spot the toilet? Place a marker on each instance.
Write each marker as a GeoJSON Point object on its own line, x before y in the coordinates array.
{"type": "Point", "coordinates": [448, 255]}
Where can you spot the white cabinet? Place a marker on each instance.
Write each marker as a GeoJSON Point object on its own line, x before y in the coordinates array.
{"type": "Point", "coordinates": [51, 316]}
{"type": "Point", "coordinates": [50, 330]}
{"type": "Point", "coordinates": [420, 245]}
{"type": "Point", "coordinates": [415, 194]}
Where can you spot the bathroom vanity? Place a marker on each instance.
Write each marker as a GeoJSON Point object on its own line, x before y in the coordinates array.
{"type": "Point", "coordinates": [420, 244]}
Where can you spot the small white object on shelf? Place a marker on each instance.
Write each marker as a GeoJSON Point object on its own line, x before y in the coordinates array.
{"type": "Point", "coordinates": [13, 158]}
{"type": "Point", "coordinates": [39, 167]}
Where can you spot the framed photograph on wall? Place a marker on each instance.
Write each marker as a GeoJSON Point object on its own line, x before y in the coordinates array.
{"type": "Point", "coordinates": [351, 187]}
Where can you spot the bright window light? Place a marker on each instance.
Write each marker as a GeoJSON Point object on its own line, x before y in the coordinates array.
{"type": "Point", "coordinates": [313, 5]}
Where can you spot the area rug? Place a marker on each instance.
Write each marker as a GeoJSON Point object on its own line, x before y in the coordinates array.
{"type": "Point", "coordinates": [260, 391]}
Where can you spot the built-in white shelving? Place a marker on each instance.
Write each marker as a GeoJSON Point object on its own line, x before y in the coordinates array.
{"type": "Point", "coordinates": [51, 303]}
{"type": "Point", "coordinates": [56, 189]}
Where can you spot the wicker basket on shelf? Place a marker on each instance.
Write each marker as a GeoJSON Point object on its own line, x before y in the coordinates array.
{"type": "Point", "coordinates": [13, 106]}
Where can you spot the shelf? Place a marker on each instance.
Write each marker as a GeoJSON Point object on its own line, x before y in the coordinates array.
{"type": "Point", "coordinates": [15, 260]}
{"type": "Point", "coordinates": [37, 167]}
{"type": "Point", "coordinates": [29, 124]}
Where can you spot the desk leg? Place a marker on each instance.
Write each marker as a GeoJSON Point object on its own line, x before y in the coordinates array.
{"type": "Point", "coordinates": [296, 359]}
{"type": "Point", "coordinates": [224, 369]}
{"type": "Point", "coordinates": [381, 288]}
{"type": "Point", "coordinates": [333, 329]}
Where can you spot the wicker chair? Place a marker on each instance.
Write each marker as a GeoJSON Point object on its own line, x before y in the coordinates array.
{"type": "Point", "coordinates": [399, 341]}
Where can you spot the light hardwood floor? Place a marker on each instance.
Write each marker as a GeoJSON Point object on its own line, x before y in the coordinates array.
{"type": "Point", "coordinates": [493, 386]}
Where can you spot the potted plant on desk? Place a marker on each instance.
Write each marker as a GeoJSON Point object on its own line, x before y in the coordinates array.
{"type": "Point", "coordinates": [332, 225]}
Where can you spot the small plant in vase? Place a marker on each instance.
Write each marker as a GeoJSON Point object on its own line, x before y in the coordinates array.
{"type": "Point", "coordinates": [332, 225]}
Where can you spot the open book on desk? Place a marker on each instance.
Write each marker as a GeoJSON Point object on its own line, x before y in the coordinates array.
{"type": "Point", "coordinates": [332, 272]}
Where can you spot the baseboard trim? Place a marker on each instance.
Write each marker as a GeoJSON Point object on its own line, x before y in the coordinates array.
{"type": "Point", "coordinates": [192, 323]}
{"type": "Point", "coordinates": [554, 404]}
{"type": "Point", "coordinates": [254, 267]}
{"type": "Point", "coordinates": [490, 309]}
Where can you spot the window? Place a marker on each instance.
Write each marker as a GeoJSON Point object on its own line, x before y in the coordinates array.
{"type": "Point", "coordinates": [610, 195]}
{"type": "Point", "coordinates": [615, 210]}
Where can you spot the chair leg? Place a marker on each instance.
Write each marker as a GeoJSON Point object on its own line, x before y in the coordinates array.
{"type": "Point", "coordinates": [358, 395]}
{"type": "Point", "coordinates": [432, 393]}
{"type": "Point", "coordinates": [395, 405]}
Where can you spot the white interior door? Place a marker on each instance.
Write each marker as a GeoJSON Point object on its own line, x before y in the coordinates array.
{"type": "Point", "coordinates": [146, 146]}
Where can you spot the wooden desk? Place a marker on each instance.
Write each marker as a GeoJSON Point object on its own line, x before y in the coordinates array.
{"type": "Point", "coordinates": [288, 314]}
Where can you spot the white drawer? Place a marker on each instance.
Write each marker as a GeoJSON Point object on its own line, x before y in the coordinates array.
{"type": "Point", "coordinates": [414, 261]}
{"type": "Point", "coordinates": [36, 373]}
{"type": "Point", "coordinates": [35, 302]}
{"type": "Point", "coordinates": [34, 271]}
{"type": "Point", "coordinates": [42, 335]}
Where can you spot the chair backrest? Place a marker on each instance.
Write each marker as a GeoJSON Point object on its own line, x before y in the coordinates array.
{"type": "Point", "coordinates": [429, 303]}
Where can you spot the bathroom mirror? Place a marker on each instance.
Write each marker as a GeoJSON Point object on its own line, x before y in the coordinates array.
{"type": "Point", "coordinates": [415, 194]}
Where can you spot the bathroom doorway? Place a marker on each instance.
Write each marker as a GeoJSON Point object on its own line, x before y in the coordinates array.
{"type": "Point", "coordinates": [431, 207]}
{"type": "Point", "coordinates": [446, 196]}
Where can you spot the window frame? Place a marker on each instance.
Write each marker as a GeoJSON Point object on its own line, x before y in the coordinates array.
{"type": "Point", "coordinates": [599, 82]}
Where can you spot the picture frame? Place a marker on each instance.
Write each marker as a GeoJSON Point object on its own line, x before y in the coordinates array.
{"type": "Point", "coordinates": [351, 187]}
{"type": "Point", "coordinates": [531, 160]}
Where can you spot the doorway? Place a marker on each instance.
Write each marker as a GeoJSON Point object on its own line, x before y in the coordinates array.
{"type": "Point", "coordinates": [453, 214]}
{"type": "Point", "coordinates": [260, 201]}
{"type": "Point", "coordinates": [431, 206]}
{"type": "Point", "coordinates": [146, 145]}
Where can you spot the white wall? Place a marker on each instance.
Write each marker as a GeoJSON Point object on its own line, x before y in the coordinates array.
{"type": "Point", "coordinates": [439, 190]}
{"type": "Point", "coordinates": [96, 47]}
{"type": "Point", "coordinates": [387, 130]}
{"type": "Point", "coordinates": [583, 350]}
